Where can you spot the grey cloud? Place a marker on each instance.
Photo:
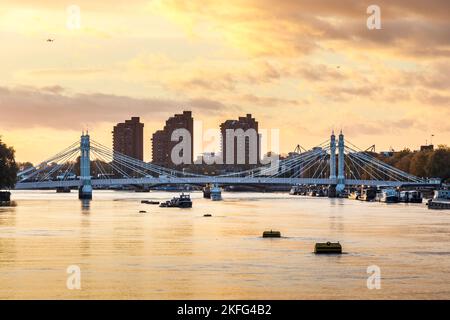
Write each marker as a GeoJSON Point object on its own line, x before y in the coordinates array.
{"type": "Point", "coordinates": [49, 107]}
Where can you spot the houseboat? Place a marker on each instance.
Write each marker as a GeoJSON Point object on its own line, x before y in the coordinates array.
{"type": "Point", "coordinates": [388, 195]}
{"type": "Point", "coordinates": [441, 200]}
{"type": "Point", "coordinates": [413, 196]}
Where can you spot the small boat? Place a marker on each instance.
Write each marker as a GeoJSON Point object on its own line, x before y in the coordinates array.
{"type": "Point", "coordinates": [207, 215]}
{"type": "Point", "coordinates": [328, 247]}
{"type": "Point", "coordinates": [183, 201]}
{"type": "Point", "coordinates": [295, 190]}
{"type": "Point", "coordinates": [320, 193]}
{"type": "Point", "coordinates": [216, 193]}
{"type": "Point", "coordinates": [353, 195]}
{"type": "Point", "coordinates": [312, 193]}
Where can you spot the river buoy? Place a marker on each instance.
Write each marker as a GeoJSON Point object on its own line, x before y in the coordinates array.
{"type": "Point", "coordinates": [271, 234]}
{"type": "Point", "coordinates": [328, 247]}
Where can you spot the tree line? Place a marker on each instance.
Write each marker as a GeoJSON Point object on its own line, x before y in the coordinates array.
{"type": "Point", "coordinates": [426, 163]}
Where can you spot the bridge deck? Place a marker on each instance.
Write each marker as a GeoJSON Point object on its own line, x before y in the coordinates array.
{"type": "Point", "coordinates": [205, 180]}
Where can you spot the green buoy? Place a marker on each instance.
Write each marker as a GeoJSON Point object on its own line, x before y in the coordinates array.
{"type": "Point", "coordinates": [271, 234]}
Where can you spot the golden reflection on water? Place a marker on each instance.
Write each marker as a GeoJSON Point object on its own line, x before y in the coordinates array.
{"type": "Point", "coordinates": [170, 253]}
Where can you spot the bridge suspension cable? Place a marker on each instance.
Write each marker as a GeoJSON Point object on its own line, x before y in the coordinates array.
{"type": "Point", "coordinates": [51, 159]}
{"type": "Point", "coordinates": [315, 166]}
{"type": "Point", "coordinates": [382, 167]}
{"type": "Point", "coordinates": [60, 159]}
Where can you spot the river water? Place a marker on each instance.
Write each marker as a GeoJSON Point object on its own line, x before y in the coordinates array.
{"type": "Point", "coordinates": [170, 253]}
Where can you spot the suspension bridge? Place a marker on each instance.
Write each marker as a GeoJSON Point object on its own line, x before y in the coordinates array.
{"type": "Point", "coordinates": [335, 162]}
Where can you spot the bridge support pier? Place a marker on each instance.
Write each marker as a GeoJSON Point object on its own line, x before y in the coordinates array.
{"type": "Point", "coordinates": [85, 190]}
{"type": "Point", "coordinates": [332, 191]}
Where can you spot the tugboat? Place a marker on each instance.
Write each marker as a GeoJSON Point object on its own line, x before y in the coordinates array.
{"type": "Point", "coordinates": [388, 195]}
{"type": "Point", "coordinates": [183, 201]}
{"type": "Point", "coordinates": [294, 190]}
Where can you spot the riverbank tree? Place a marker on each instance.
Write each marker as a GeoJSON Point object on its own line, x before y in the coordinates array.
{"type": "Point", "coordinates": [426, 163]}
{"type": "Point", "coordinates": [8, 166]}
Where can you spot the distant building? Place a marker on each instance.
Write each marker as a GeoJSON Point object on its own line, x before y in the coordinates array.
{"type": "Point", "coordinates": [161, 141]}
{"type": "Point", "coordinates": [387, 153]}
{"type": "Point", "coordinates": [128, 138]}
{"type": "Point", "coordinates": [160, 149]}
{"type": "Point", "coordinates": [250, 141]}
{"type": "Point", "coordinates": [429, 147]}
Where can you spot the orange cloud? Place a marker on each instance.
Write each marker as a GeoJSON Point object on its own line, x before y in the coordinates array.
{"type": "Point", "coordinates": [299, 27]}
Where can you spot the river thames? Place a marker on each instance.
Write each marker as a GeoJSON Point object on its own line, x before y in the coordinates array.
{"type": "Point", "coordinates": [171, 253]}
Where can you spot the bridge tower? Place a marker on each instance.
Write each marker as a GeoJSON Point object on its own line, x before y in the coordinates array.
{"type": "Point", "coordinates": [85, 191]}
{"type": "Point", "coordinates": [333, 156]}
{"type": "Point", "coordinates": [332, 187]}
{"type": "Point", "coordinates": [341, 165]}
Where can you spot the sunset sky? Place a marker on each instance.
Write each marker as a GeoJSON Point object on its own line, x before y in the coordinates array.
{"type": "Point", "coordinates": [301, 66]}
